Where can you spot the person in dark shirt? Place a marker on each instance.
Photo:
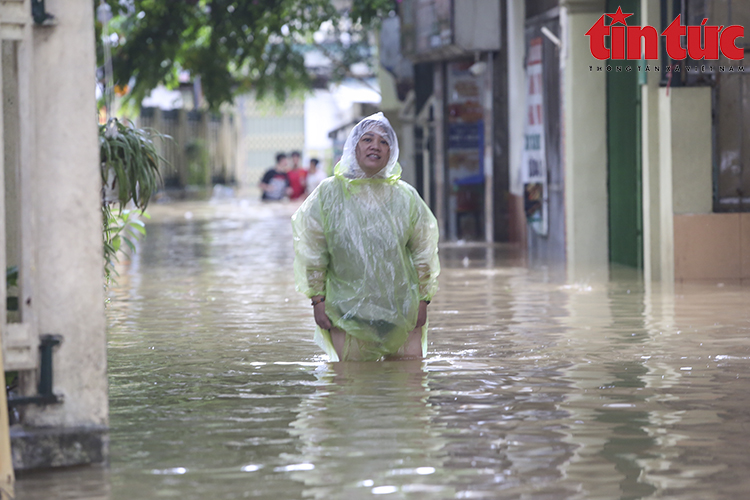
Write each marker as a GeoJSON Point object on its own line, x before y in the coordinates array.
{"type": "Point", "coordinates": [275, 182]}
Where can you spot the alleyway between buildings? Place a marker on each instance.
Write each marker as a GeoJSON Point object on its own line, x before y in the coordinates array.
{"type": "Point", "coordinates": [533, 387]}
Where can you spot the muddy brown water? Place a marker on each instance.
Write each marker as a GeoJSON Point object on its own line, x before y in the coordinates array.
{"type": "Point", "coordinates": [533, 388]}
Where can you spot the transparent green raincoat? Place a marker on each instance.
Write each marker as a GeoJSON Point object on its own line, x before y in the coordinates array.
{"type": "Point", "coordinates": [369, 245]}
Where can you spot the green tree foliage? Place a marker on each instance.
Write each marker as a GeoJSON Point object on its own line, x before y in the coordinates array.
{"type": "Point", "coordinates": [368, 12]}
{"type": "Point", "coordinates": [233, 45]}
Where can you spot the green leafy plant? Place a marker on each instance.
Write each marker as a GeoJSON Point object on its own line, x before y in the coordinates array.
{"type": "Point", "coordinates": [120, 226]}
{"type": "Point", "coordinates": [130, 175]}
{"type": "Point", "coordinates": [129, 163]}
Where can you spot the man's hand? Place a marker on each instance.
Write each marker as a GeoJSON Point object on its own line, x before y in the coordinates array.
{"type": "Point", "coordinates": [422, 315]}
{"type": "Point", "coordinates": [319, 311]}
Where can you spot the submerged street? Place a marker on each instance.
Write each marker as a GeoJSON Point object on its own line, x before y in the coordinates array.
{"type": "Point", "coordinates": [533, 387]}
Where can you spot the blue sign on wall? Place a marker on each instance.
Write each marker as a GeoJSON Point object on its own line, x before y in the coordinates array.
{"type": "Point", "coordinates": [465, 135]}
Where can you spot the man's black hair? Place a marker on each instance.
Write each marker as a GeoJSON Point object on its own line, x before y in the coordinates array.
{"type": "Point", "coordinates": [296, 153]}
{"type": "Point", "coordinates": [314, 161]}
{"type": "Point", "coordinates": [280, 156]}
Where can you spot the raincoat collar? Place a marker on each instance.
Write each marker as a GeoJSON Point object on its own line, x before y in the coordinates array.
{"type": "Point", "coordinates": [390, 174]}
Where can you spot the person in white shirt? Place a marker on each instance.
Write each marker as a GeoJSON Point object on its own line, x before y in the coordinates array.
{"type": "Point", "coordinates": [315, 175]}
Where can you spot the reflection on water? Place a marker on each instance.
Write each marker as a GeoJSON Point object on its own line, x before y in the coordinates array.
{"type": "Point", "coordinates": [367, 429]}
{"type": "Point", "coordinates": [533, 387]}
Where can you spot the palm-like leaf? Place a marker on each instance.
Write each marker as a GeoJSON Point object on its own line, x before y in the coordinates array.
{"type": "Point", "coordinates": [130, 164]}
{"type": "Point", "coordinates": [131, 155]}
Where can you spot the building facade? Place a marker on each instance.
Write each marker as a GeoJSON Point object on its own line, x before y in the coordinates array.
{"type": "Point", "coordinates": [453, 113]}
{"type": "Point", "coordinates": [604, 165]}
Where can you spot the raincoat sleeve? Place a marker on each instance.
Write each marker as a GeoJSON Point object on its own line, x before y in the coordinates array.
{"type": "Point", "coordinates": [310, 249]}
{"type": "Point", "coordinates": [423, 245]}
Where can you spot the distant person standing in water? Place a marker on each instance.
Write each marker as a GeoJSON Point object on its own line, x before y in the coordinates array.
{"type": "Point", "coordinates": [275, 182]}
{"type": "Point", "coordinates": [297, 177]}
{"type": "Point", "coordinates": [366, 252]}
{"type": "Point", "coordinates": [315, 175]}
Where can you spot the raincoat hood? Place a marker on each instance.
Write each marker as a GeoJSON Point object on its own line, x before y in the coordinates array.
{"type": "Point", "coordinates": [348, 168]}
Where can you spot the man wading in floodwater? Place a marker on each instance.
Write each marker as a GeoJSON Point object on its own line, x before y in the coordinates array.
{"type": "Point", "coordinates": [366, 252]}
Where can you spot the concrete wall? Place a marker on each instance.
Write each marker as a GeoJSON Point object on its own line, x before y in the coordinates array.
{"type": "Point", "coordinates": [707, 246]}
{"type": "Point", "coordinates": [690, 247]}
{"type": "Point", "coordinates": [690, 151]}
{"type": "Point", "coordinates": [665, 239]}
{"type": "Point", "coordinates": [584, 144]}
{"type": "Point", "coordinates": [69, 298]}
{"type": "Point", "coordinates": [650, 13]}
{"type": "Point", "coordinates": [61, 235]}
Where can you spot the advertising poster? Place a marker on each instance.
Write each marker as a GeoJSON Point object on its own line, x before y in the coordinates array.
{"type": "Point", "coordinates": [534, 165]}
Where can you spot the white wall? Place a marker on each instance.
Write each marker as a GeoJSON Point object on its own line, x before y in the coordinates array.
{"type": "Point", "coordinates": [650, 14]}
{"type": "Point", "coordinates": [585, 145]}
{"type": "Point", "coordinates": [321, 116]}
{"type": "Point", "coordinates": [68, 299]}
{"type": "Point", "coordinates": [685, 141]}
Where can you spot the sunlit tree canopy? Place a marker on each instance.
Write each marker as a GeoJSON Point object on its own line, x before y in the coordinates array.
{"type": "Point", "coordinates": [235, 46]}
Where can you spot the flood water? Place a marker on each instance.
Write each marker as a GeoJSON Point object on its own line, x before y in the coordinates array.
{"type": "Point", "coordinates": [533, 388]}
